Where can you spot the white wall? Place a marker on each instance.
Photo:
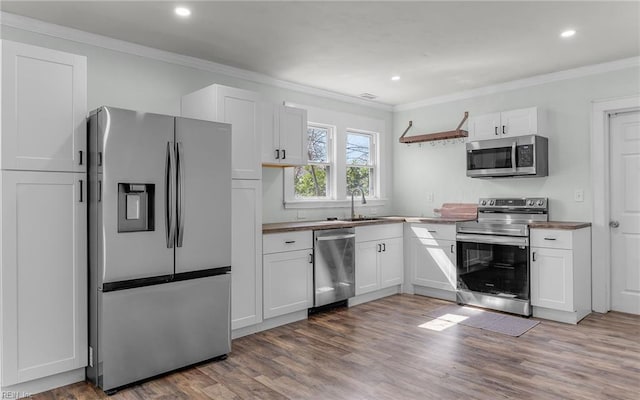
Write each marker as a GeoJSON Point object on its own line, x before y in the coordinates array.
{"type": "Point", "coordinates": [440, 168]}
{"type": "Point", "coordinates": [128, 81]}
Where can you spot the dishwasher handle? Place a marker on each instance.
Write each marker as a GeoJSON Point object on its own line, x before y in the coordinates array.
{"type": "Point", "coordinates": [335, 237]}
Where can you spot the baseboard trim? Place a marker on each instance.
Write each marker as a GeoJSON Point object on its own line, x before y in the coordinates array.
{"type": "Point", "coordinates": [26, 389]}
{"type": "Point", "coordinates": [432, 292]}
{"type": "Point", "coordinates": [567, 317]}
{"type": "Point", "coordinates": [378, 294]}
{"type": "Point", "coordinates": [269, 324]}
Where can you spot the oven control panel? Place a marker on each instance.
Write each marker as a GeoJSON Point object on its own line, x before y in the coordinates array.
{"type": "Point", "coordinates": [538, 203]}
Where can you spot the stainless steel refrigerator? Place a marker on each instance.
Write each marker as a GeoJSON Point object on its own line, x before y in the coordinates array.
{"type": "Point", "coordinates": [159, 244]}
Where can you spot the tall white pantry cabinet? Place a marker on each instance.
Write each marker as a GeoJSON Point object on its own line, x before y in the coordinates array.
{"type": "Point", "coordinates": [43, 270]}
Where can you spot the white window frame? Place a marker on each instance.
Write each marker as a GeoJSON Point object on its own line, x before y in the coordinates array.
{"type": "Point", "coordinates": [343, 123]}
{"type": "Point", "coordinates": [331, 155]}
{"type": "Point", "coordinates": [374, 182]}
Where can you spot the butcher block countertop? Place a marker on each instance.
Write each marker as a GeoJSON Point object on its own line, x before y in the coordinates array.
{"type": "Point", "coordinates": [324, 224]}
{"type": "Point", "coordinates": [559, 225]}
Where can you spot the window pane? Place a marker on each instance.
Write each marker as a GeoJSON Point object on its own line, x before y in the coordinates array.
{"type": "Point", "coordinates": [358, 149]}
{"type": "Point", "coordinates": [311, 181]}
{"type": "Point", "coordinates": [360, 177]}
{"type": "Point", "coordinates": [318, 144]}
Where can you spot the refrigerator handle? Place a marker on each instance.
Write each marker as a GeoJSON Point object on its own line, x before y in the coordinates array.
{"type": "Point", "coordinates": [168, 196]}
{"type": "Point", "coordinates": [179, 190]}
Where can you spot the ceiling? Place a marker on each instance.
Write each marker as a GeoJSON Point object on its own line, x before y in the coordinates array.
{"type": "Point", "coordinates": [436, 48]}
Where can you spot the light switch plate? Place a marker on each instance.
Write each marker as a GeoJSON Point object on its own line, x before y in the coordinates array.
{"type": "Point", "coordinates": [578, 195]}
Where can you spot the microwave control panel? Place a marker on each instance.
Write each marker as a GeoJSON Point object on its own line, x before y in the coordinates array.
{"type": "Point", "coordinates": [525, 156]}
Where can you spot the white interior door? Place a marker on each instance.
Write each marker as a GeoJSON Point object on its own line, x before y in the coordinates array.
{"type": "Point", "coordinates": [625, 212]}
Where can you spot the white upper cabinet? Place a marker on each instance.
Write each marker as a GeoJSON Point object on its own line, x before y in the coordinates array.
{"type": "Point", "coordinates": [285, 135]}
{"type": "Point", "coordinates": [241, 109]}
{"type": "Point", "coordinates": [525, 121]}
{"type": "Point", "coordinates": [44, 109]}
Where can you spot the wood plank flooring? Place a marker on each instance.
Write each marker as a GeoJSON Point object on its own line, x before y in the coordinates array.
{"type": "Point", "coordinates": [378, 351]}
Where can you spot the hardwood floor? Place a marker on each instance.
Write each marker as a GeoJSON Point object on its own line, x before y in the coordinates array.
{"type": "Point", "coordinates": [378, 351]}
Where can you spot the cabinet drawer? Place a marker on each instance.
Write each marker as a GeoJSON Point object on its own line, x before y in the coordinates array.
{"type": "Point", "coordinates": [433, 231]}
{"type": "Point", "coordinates": [287, 241]}
{"type": "Point", "coordinates": [552, 238]}
{"type": "Point", "coordinates": [378, 232]}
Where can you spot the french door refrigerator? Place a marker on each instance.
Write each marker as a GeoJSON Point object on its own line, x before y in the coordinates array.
{"type": "Point", "coordinates": [160, 244]}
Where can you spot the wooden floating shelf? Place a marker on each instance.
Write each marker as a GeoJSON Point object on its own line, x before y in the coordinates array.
{"type": "Point", "coordinates": [429, 137]}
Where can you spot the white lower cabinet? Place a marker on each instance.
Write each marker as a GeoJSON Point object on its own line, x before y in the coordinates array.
{"type": "Point", "coordinates": [288, 272]}
{"type": "Point", "coordinates": [43, 296]}
{"type": "Point", "coordinates": [432, 256]}
{"type": "Point", "coordinates": [431, 259]}
{"type": "Point", "coordinates": [246, 253]}
{"type": "Point", "coordinates": [561, 274]}
{"type": "Point", "coordinates": [433, 263]}
{"type": "Point", "coordinates": [288, 282]}
{"type": "Point", "coordinates": [379, 262]}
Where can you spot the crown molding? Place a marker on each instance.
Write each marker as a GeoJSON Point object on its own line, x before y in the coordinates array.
{"type": "Point", "coordinates": [633, 62]}
{"type": "Point", "coordinates": [92, 39]}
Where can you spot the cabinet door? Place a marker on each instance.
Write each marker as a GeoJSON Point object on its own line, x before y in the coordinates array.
{"type": "Point", "coordinates": [287, 278]}
{"type": "Point", "coordinates": [391, 263]}
{"type": "Point", "coordinates": [292, 123]}
{"type": "Point", "coordinates": [552, 278]}
{"type": "Point", "coordinates": [432, 263]}
{"type": "Point", "coordinates": [241, 109]}
{"type": "Point", "coordinates": [44, 274]}
{"type": "Point", "coordinates": [246, 253]}
{"type": "Point", "coordinates": [484, 126]}
{"type": "Point", "coordinates": [44, 109]}
{"type": "Point", "coordinates": [367, 267]}
{"type": "Point", "coordinates": [270, 134]}
{"type": "Point", "coordinates": [519, 122]}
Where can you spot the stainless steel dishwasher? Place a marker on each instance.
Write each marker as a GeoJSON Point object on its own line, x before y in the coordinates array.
{"type": "Point", "coordinates": [334, 265]}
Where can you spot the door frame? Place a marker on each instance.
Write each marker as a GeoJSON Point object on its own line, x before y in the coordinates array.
{"type": "Point", "coordinates": [601, 235]}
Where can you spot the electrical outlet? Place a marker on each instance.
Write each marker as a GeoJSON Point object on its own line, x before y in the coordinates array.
{"type": "Point", "coordinates": [374, 211]}
{"type": "Point", "coordinates": [578, 195]}
{"type": "Point", "coordinates": [430, 197]}
{"type": "Point", "coordinates": [302, 214]}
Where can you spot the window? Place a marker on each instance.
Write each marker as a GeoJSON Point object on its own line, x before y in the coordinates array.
{"type": "Point", "coordinates": [345, 151]}
{"type": "Point", "coordinates": [360, 162]}
{"type": "Point", "coordinates": [312, 181]}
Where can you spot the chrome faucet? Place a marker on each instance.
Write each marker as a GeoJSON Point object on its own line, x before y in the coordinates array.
{"type": "Point", "coordinates": [364, 201]}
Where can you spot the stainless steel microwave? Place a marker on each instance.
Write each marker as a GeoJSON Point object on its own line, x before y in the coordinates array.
{"type": "Point", "coordinates": [518, 156]}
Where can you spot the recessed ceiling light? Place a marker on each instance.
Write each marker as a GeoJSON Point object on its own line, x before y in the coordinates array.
{"type": "Point", "coordinates": [182, 11]}
{"type": "Point", "coordinates": [395, 78]}
{"type": "Point", "coordinates": [568, 33]}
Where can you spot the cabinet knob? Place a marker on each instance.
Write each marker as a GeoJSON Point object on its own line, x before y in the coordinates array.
{"type": "Point", "coordinates": [495, 130]}
{"type": "Point", "coordinates": [614, 224]}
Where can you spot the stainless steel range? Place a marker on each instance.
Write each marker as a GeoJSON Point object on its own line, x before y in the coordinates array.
{"type": "Point", "coordinates": [493, 254]}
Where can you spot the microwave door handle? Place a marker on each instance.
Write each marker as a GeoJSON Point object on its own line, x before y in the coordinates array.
{"type": "Point", "coordinates": [513, 156]}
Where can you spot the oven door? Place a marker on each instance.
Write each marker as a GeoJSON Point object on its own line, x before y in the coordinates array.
{"type": "Point", "coordinates": [493, 265]}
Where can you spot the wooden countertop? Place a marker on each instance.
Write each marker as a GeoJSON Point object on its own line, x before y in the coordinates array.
{"type": "Point", "coordinates": [324, 224]}
{"type": "Point", "coordinates": [559, 225]}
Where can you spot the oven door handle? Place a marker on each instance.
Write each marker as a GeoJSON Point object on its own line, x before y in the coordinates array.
{"type": "Point", "coordinates": [486, 239]}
